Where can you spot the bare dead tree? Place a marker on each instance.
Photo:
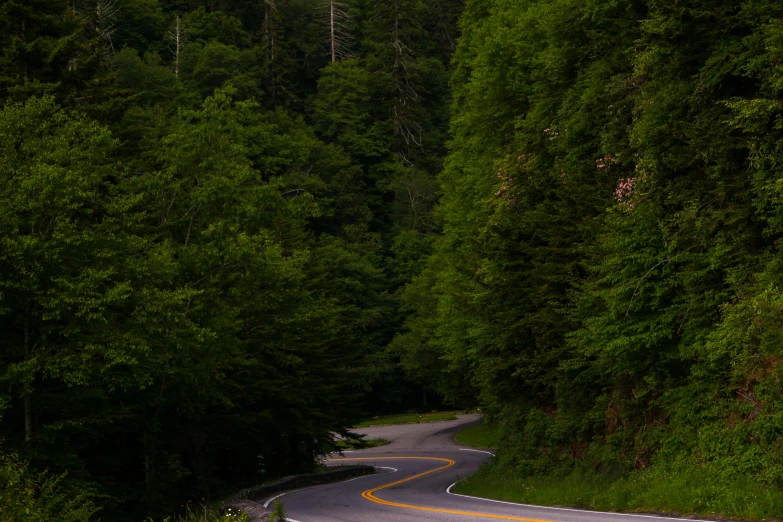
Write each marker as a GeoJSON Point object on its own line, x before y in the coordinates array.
{"type": "Point", "coordinates": [177, 40]}
{"type": "Point", "coordinates": [406, 96]}
{"type": "Point", "coordinates": [446, 23]}
{"type": "Point", "coordinates": [337, 20]}
{"type": "Point", "coordinates": [73, 63]}
{"type": "Point", "coordinates": [270, 10]}
{"type": "Point", "coordinates": [105, 19]}
{"type": "Point", "coordinates": [416, 196]}
{"type": "Point", "coordinates": [269, 32]}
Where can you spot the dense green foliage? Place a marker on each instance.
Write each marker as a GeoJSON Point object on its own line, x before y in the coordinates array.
{"type": "Point", "coordinates": [229, 230]}
{"type": "Point", "coordinates": [205, 220]}
{"type": "Point", "coordinates": [38, 497]}
{"type": "Point", "coordinates": [608, 279]}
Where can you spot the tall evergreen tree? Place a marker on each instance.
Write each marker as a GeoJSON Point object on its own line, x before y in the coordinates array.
{"type": "Point", "coordinates": [45, 50]}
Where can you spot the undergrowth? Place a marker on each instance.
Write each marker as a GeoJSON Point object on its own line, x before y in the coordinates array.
{"type": "Point", "coordinates": [34, 496]}
{"type": "Point", "coordinates": [408, 418]}
{"type": "Point", "coordinates": [685, 492]}
{"type": "Point", "coordinates": [359, 443]}
{"type": "Point", "coordinates": [204, 513]}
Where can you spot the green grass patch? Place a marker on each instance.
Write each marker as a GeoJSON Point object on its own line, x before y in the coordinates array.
{"type": "Point", "coordinates": [479, 436]}
{"type": "Point", "coordinates": [692, 492]}
{"type": "Point", "coordinates": [408, 418]}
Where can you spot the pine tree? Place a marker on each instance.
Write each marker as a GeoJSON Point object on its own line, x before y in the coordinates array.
{"type": "Point", "coordinates": [43, 49]}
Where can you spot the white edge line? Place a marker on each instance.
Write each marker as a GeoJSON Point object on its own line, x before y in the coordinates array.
{"type": "Point", "coordinates": [655, 517]}
{"type": "Point", "coordinates": [364, 476]}
{"type": "Point", "coordinates": [266, 504]}
{"type": "Point", "coordinates": [477, 451]}
{"type": "Point", "coordinates": [349, 480]}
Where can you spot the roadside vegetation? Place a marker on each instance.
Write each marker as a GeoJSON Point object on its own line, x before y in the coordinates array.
{"type": "Point", "coordinates": [480, 436]}
{"type": "Point", "coordinates": [203, 513]}
{"type": "Point", "coordinates": [27, 494]}
{"type": "Point", "coordinates": [278, 512]}
{"type": "Point", "coordinates": [359, 443]}
{"type": "Point", "coordinates": [408, 418]}
{"type": "Point", "coordinates": [680, 493]}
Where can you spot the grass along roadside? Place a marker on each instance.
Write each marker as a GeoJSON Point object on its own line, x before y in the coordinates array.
{"type": "Point", "coordinates": [693, 492]}
{"type": "Point", "coordinates": [408, 418]}
{"type": "Point", "coordinates": [479, 436]}
{"type": "Point", "coordinates": [204, 513]}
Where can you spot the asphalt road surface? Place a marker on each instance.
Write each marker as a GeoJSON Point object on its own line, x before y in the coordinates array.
{"type": "Point", "coordinates": [414, 472]}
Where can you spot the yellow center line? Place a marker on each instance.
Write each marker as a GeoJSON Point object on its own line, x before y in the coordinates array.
{"type": "Point", "coordinates": [370, 493]}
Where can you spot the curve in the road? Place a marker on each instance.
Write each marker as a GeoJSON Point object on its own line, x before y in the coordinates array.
{"type": "Point", "coordinates": [428, 460]}
{"type": "Point", "coordinates": [370, 493]}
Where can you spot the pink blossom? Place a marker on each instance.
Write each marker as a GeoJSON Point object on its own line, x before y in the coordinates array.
{"type": "Point", "coordinates": [605, 162]}
{"type": "Point", "coordinates": [624, 191]}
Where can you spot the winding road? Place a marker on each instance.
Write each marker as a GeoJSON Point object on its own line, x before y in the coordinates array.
{"type": "Point", "coordinates": [415, 472]}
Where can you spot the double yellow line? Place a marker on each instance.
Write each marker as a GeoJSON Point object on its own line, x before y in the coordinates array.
{"type": "Point", "coordinates": [370, 493]}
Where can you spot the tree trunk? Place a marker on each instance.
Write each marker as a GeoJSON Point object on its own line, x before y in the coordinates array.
{"type": "Point", "coordinates": [331, 30]}
{"type": "Point", "coordinates": [28, 419]}
{"type": "Point", "coordinates": [26, 70]}
{"type": "Point", "coordinates": [337, 21]}
{"type": "Point", "coordinates": [28, 410]}
{"type": "Point", "coordinates": [177, 47]}
{"type": "Point", "coordinates": [146, 473]}
{"type": "Point", "coordinates": [269, 38]}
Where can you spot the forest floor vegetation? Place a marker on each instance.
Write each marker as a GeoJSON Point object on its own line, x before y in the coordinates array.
{"type": "Point", "coordinates": [685, 493]}
{"type": "Point", "coordinates": [360, 443]}
{"type": "Point", "coordinates": [208, 513]}
{"type": "Point", "coordinates": [408, 418]}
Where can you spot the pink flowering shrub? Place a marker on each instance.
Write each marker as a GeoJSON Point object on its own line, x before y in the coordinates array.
{"type": "Point", "coordinates": [605, 162]}
{"type": "Point", "coordinates": [624, 191]}
{"type": "Point", "coordinates": [505, 175]}
{"type": "Point", "coordinates": [507, 181]}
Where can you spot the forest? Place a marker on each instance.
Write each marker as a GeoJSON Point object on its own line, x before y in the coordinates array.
{"type": "Point", "coordinates": [207, 210]}
{"type": "Point", "coordinates": [230, 230]}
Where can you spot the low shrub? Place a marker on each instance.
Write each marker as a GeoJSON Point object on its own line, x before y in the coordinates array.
{"type": "Point", "coordinates": [32, 496]}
